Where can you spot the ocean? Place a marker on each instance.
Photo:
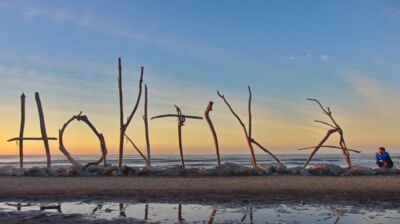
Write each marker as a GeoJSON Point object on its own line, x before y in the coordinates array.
{"type": "Point", "coordinates": [209, 160]}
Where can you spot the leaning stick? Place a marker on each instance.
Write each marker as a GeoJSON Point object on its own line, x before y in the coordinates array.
{"type": "Point", "coordinates": [21, 132]}
{"type": "Point", "coordinates": [264, 149]}
{"type": "Point", "coordinates": [136, 148]}
{"type": "Point", "coordinates": [328, 134]}
{"type": "Point", "coordinates": [181, 122]}
{"type": "Point", "coordinates": [330, 146]}
{"type": "Point", "coordinates": [211, 125]}
{"type": "Point", "coordinates": [249, 110]}
{"type": "Point", "coordinates": [146, 127]}
{"type": "Point", "coordinates": [253, 157]}
{"type": "Point", "coordinates": [43, 129]}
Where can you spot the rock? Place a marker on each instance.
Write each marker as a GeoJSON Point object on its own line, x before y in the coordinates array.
{"type": "Point", "coordinates": [382, 170]}
{"type": "Point", "coordinates": [360, 171]}
{"type": "Point", "coordinates": [269, 168]}
{"type": "Point", "coordinates": [280, 168]}
{"type": "Point", "coordinates": [227, 169]}
{"type": "Point", "coordinates": [203, 171]}
{"type": "Point", "coordinates": [98, 169]}
{"type": "Point", "coordinates": [74, 172]}
{"type": "Point", "coordinates": [37, 172]}
{"type": "Point", "coordinates": [258, 171]}
{"type": "Point", "coordinates": [325, 170]}
{"type": "Point", "coordinates": [148, 170]}
{"type": "Point", "coordinates": [298, 170]}
{"type": "Point", "coordinates": [127, 170]}
{"type": "Point", "coordinates": [170, 171]}
{"type": "Point", "coordinates": [52, 171]}
{"type": "Point", "coordinates": [18, 172]}
{"type": "Point", "coordinates": [192, 172]}
{"type": "Point", "coordinates": [108, 170]}
{"type": "Point", "coordinates": [6, 170]}
{"type": "Point", "coordinates": [117, 173]}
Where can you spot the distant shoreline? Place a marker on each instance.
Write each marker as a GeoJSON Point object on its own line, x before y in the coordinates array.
{"type": "Point", "coordinates": [363, 189]}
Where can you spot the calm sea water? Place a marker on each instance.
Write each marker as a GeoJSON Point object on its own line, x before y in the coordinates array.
{"type": "Point", "coordinates": [200, 213]}
{"type": "Point", "coordinates": [289, 160]}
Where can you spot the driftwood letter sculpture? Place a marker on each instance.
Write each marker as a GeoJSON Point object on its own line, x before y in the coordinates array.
{"type": "Point", "coordinates": [247, 133]}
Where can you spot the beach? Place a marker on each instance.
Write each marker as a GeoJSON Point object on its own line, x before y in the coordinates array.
{"type": "Point", "coordinates": [210, 189]}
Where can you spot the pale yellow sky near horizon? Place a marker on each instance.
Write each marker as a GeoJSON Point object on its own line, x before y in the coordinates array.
{"type": "Point", "coordinates": [281, 126]}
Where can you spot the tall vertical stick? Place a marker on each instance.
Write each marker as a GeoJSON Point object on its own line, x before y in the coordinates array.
{"type": "Point", "coordinates": [249, 108]}
{"type": "Point", "coordinates": [121, 114]}
{"type": "Point", "coordinates": [43, 129]}
{"type": "Point", "coordinates": [210, 124]}
{"type": "Point", "coordinates": [21, 132]}
{"type": "Point", "coordinates": [146, 126]}
{"type": "Point", "coordinates": [181, 121]}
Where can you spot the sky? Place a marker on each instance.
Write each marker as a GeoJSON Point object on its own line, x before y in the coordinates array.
{"type": "Point", "coordinates": [344, 53]}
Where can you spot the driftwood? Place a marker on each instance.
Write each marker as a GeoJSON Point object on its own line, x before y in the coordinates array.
{"type": "Point", "coordinates": [180, 219]}
{"type": "Point", "coordinates": [181, 121]}
{"type": "Point", "coordinates": [100, 136]}
{"type": "Point", "coordinates": [211, 125]}
{"type": "Point", "coordinates": [122, 210]}
{"type": "Point", "coordinates": [21, 137]}
{"type": "Point", "coordinates": [51, 207]}
{"type": "Point", "coordinates": [137, 149]}
{"type": "Point", "coordinates": [124, 125]}
{"type": "Point", "coordinates": [21, 132]}
{"type": "Point", "coordinates": [146, 212]}
{"type": "Point", "coordinates": [332, 147]}
{"type": "Point", "coordinates": [146, 127]}
{"type": "Point", "coordinates": [43, 129]}
{"type": "Point", "coordinates": [335, 128]}
{"type": "Point", "coordinates": [212, 215]}
{"type": "Point", "coordinates": [249, 139]}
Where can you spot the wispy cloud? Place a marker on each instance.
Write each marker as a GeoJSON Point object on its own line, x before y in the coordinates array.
{"type": "Point", "coordinates": [324, 57]}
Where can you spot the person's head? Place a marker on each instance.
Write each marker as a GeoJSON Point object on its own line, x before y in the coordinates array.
{"type": "Point", "coordinates": [381, 150]}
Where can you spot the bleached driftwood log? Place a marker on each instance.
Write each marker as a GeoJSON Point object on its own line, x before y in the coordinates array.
{"type": "Point", "coordinates": [124, 125]}
{"type": "Point", "coordinates": [43, 129]}
{"type": "Point", "coordinates": [248, 133]}
{"type": "Point", "coordinates": [21, 132]}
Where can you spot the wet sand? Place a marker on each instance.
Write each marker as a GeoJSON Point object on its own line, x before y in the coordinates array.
{"type": "Point", "coordinates": [208, 189]}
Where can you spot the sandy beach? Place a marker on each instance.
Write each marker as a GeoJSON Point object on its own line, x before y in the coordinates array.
{"type": "Point", "coordinates": [210, 189]}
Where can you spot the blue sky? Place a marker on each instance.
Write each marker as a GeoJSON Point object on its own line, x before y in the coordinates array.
{"type": "Point", "coordinates": [345, 53]}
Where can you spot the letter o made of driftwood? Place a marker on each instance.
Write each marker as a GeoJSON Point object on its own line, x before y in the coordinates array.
{"type": "Point", "coordinates": [100, 136]}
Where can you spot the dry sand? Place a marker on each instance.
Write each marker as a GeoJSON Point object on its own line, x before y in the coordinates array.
{"type": "Point", "coordinates": [209, 189]}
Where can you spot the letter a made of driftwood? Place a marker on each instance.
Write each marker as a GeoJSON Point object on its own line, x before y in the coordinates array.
{"type": "Point", "coordinates": [124, 125]}
{"type": "Point", "coordinates": [21, 137]}
{"type": "Point", "coordinates": [214, 133]}
{"type": "Point", "coordinates": [181, 121]}
{"type": "Point", "coordinates": [100, 136]}
{"type": "Point", "coordinates": [335, 128]}
{"type": "Point", "coordinates": [247, 133]}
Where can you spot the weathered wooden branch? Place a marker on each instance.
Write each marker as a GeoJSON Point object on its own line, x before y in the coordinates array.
{"type": "Point", "coordinates": [253, 157]}
{"type": "Point", "coordinates": [30, 139]}
{"type": "Point", "coordinates": [100, 136]}
{"type": "Point", "coordinates": [177, 116]}
{"type": "Point", "coordinates": [137, 149]}
{"type": "Point", "coordinates": [249, 111]}
{"type": "Point", "coordinates": [335, 126]}
{"type": "Point", "coordinates": [181, 121]}
{"type": "Point", "coordinates": [211, 125]}
{"type": "Point", "coordinates": [212, 215]}
{"type": "Point", "coordinates": [265, 150]}
{"type": "Point", "coordinates": [328, 134]}
{"type": "Point", "coordinates": [330, 146]}
{"type": "Point", "coordinates": [21, 132]}
{"type": "Point", "coordinates": [43, 129]}
{"type": "Point", "coordinates": [124, 125]}
{"type": "Point", "coordinates": [146, 127]}
{"type": "Point", "coordinates": [180, 219]}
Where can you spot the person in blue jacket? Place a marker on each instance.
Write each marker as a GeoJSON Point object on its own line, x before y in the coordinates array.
{"type": "Point", "coordinates": [383, 158]}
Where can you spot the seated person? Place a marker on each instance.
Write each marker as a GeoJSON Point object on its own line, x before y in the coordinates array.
{"type": "Point", "coordinates": [383, 158]}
